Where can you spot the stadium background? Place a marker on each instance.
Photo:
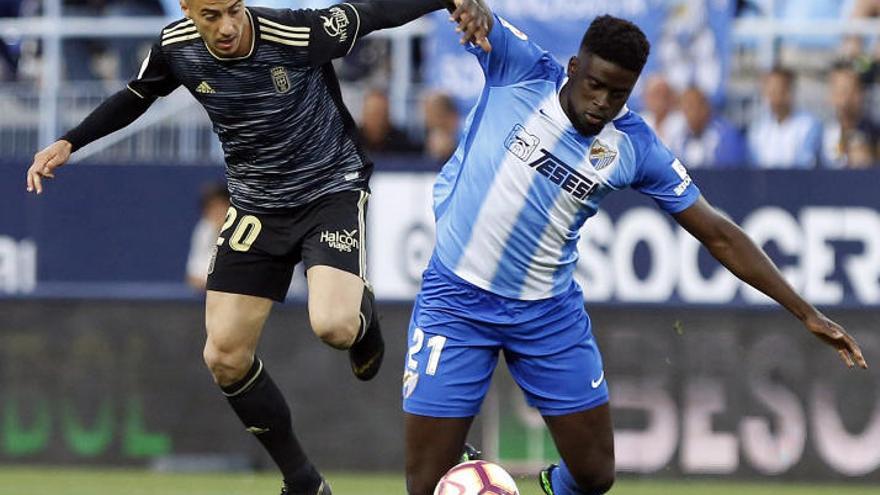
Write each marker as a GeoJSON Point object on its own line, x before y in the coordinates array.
{"type": "Point", "coordinates": [100, 336]}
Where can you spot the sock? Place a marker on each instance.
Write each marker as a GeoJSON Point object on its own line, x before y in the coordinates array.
{"type": "Point", "coordinates": [259, 404]}
{"type": "Point", "coordinates": [368, 302]}
{"type": "Point", "coordinates": [563, 482]}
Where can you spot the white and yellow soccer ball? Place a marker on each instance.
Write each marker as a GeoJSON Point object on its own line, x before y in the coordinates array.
{"type": "Point", "coordinates": [476, 478]}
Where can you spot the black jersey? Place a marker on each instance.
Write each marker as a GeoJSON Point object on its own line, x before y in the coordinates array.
{"type": "Point", "coordinates": [287, 136]}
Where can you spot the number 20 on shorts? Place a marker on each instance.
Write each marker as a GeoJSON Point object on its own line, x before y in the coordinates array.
{"type": "Point", "coordinates": [435, 344]}
{"type": "Point", "coordinates": [245, 232]}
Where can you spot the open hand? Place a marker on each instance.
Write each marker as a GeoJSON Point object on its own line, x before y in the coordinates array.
{"type": "Point", "coordinates": [474, 21]}
{"type": "Point", "coordinates": [834, 335]}
{"type": "Point", "coordinates": [45, 163]}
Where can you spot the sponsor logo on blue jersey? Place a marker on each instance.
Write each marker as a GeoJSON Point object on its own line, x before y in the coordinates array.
{"type": "Point", "coordinates": [521, 143]}
{"type": "Point", "coordinates": [563, 175]}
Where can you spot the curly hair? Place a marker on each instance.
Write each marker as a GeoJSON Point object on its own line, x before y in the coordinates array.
{"type": "Point", "coordinates": [618, 41]}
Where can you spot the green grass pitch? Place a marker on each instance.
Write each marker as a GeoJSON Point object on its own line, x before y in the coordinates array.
{"type": "Point", "coordinates": [43, 481]}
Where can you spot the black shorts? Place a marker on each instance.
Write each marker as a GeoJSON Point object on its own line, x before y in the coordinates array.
{"type": "Point", "coordinates": [256, 252]}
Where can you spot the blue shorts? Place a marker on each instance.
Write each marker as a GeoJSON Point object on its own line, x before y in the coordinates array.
{"type": "Point", "coordinates": [458, 329]}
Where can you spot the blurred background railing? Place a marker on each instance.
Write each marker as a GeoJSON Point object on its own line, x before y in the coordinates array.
{"type": "Point", "coordinates": [66, 63]}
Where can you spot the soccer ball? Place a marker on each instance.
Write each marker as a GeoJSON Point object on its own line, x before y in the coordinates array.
{"type": "Point", "coordinates": [476, 478]}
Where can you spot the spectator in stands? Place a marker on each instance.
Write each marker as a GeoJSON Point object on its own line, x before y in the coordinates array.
{"type": "Point", "coordinates": [129, 53]}
{"type": "Point", "coordinates": [441, 126]}
{"type": "Point", "coordinates": [783, 137]}
{"type": "Point", "coordinates": [850, 138]}
{"type": "Point", "coordinates": [661, 108]}
{"type": "Point", "coordinates": [80, 54]}
{"type": "Point", "coordinates": [213, 203]}
{"type": "Point", "coordinates": [377, 133]}
{"type": "Point", "coordinates": [8, 53]}
{"type": "Point", "coordinates": [853, 46]}
{"type": "Point", "coordinates": [706, 140]}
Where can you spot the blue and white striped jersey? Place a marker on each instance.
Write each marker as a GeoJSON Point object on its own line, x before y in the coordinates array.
{"type": "Point", "coordinates": [510, 203]}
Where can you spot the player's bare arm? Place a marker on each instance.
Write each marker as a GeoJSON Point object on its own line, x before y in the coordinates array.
{"type": "Point", "coordinates": [474, 21]}
{"type": "Point", "coordinates": [736, 251]}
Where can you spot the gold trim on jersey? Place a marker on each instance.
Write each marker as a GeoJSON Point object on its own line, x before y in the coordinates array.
{"type": "Point", "coordinates": [135, 92]}
{"type": "Point", "coordinates": [362, 227]}
{"type": "Point", "coordinates": [294, 36]}
{"type": "Point", "coordinates": [284, 41]}
{"type": "Point", "coordinates": [182, 26]}
{"type": "Point", "coordinates": [179, 32]}
{"type": "Point", "coordinates": [293, 29]}
{"type": "Point", "coordinates": [178, 39]}
{"type": "Point", "coordinates": [357, 28]}
{"type": "Point", "coordinates": [284, 34]}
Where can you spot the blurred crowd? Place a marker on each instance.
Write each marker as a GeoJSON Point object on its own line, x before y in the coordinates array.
{"type": "Point", "coordinates": [841, 133]}
{"type": "Point", "coordinates": [782, 136]}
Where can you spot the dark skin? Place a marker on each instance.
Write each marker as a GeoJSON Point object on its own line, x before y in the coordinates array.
{"type": "Point", "coordinates": [595, 93]}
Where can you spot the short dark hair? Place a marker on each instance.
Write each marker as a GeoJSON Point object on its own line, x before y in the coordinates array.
{"type": "Point", "coordinates": [617, 41]}
{"type": "Point", "coordinates": [783, 72]}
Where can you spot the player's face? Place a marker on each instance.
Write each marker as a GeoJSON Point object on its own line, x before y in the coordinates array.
{"type": "Point", "coordinates": [223, 24]}
{"type": "Point", "coordinates": [596, 91]}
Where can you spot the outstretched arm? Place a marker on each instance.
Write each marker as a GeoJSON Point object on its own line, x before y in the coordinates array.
{"type": "Point", "coordinates": [473, 17]}
{"type": "Point", "coordinates": [113, 114]}
{"type": "Point", "coordinates": [335, 30]}
{"type": "Point", "coordinates": [736, 251]}
{"type": "Point", "coordinates": [384, 14]}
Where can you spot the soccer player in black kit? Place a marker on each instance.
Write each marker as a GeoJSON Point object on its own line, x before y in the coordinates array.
{"type": "Point", "coordinates": [297, 178]}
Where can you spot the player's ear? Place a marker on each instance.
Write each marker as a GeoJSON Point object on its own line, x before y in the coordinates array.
{"type": "Point", "coordinates": [185, 8]}
{"type": "Point", "coordinates": [573, 64]}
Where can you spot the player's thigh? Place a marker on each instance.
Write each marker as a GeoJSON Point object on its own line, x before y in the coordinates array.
{"type": "Point", "coordinates": [255, 254]}
{"type": "Point", "coordinates": [585, 440]}
{"type": "Point", "coordinates": [334, 297]}
{"type": "Point", "coordinates": [433, 446]}
{"type": "Point", "coordinates": [234, 322]}
{"type": "Point", "coordinates": [336, 236]}
{"type": "Point", "coordinates": [448, 366]}
{"type": "Point", "coordinates": [557, 364]}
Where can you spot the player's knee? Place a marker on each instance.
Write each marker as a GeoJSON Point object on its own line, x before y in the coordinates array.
{"type": "Point", "coordinates": [227, 365]}
{"type": "Point", "coordinates": [595, 480]}
{"type": "Point", "coordinates": [336, 329]}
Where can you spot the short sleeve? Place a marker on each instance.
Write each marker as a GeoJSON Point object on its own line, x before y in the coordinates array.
{"type": "Point", "coordinates": [514, 57]}
{"type": "Point", "coordinates": [155, 78]}
{"type": "Point", "coordinates": [331, 32]}
{"type": "Point", "coordinates": [663, 177]}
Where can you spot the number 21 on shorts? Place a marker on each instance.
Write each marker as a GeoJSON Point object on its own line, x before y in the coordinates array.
{"type": "Point", "coordinates": [245, 232]}
{"type": "Point", "coordinates": [435, 346]}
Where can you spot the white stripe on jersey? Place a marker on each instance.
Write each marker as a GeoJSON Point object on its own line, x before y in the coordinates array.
{"type": "Point", "coordinates": [294, 29]}
{"type": "Point", "coordinates": [144, 65]}
{"type": "Point", "coordinates": [284, 34]}
{"type": "Point", "coordinates": [498, 215]}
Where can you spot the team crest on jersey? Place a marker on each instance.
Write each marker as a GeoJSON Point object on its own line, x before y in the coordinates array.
{"type": "Point", "coordinates": [280, 79]}
{"type": "Point", "coordinates": [521, 143]}
{"type": "Point", "coordinates": [601, 155]}
{"type": "Point", "coordinates": [335, 24]}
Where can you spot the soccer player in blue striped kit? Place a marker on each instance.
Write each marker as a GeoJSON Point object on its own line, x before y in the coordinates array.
{"type": "Point", "coordinates": [541, 148]}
